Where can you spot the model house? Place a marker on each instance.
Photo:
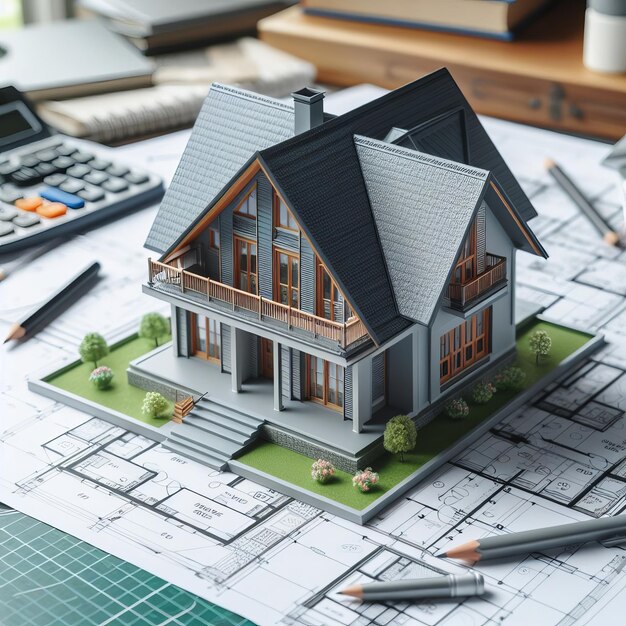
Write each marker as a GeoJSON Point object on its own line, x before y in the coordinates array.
{"type": "Point", "coordinates": [326, 273]}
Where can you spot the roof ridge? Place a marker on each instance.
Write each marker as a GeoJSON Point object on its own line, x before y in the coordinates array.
{"type": "Point", "coordinates": [422, 157]}
{"type": "Point", "coordinates": [252, 96]}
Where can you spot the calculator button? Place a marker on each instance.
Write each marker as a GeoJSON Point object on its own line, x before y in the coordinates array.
{"type": "Point", "coordinates": [136, 178]}
{"type": "Point", "coordinates": [6, 228]}
{"type": "Point", "coordinates": [95, 178]}
{"type": "Point", "coordinates": [71, 185]}
{"type": "Point", "coordinates": [29, 204]}
{"type": "Point", "coordinates": [54, 180]}
{"type": "Point", "coordinates": [62, 162]}
{"type": "Point", "coordinates": [52, 209]}
{"type": "Point", "coordinates": [91, 195]}
{"type": "Point", "coordinates": [9, 195]}
{"type": "Point", "coordinates": [82, 157]}
{"type": "Point", "coordinates": [26, 220]}
{"type": "Point", "coordinates": [46, 155]}
{"type": "Point", "coordinates": [115, 185]}
{"type": "Point", "coordinates": [30, 161]}
{"type": "Point", "coordinates": [7, 213]}
{"type": "Point", "coordinates": [57, 195]}
{"type": "Point", "coordinates": [8, 168]}
{"type": "Point", "coordinates": [25, 176]}
{"type": "Point", "coordinates": [117, 170]}
{"type": "Point", "coordinates": [45, 169]}
{"type": "Point", "coordinates": [99, 164]}
{"type": "Point", "coordinates": [78, 170]}
{"type": "Point", "coordinates": [64, 150]}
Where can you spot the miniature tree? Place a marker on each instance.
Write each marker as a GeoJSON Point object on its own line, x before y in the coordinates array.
{"type": "Point", "coordinates": [92, 348]}
{"type": "Point", "coordinates": [400, 435]}
{"type": "Point", "coordinates": [153, 326]}
{"type": "Point", "coordinates": [154, 405]}
{"type": "Point", "coordinates": [540, 343]}
{"type": "Point", "coordinates": [511, 378]}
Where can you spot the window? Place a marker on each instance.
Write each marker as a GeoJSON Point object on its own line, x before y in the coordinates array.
{"type": "Point", "coordinates": [245, 265]}
{"type": "Point", "coordinates": [464, 345]}
{"type": "Point", "coordinates": [325, 383]}
{"type": "Point", "coordinates": [465, 268]}
{"type": "Point", "coordinates": [327, 295]}
{"type": "Point", "coordinates": [287, 278]}
{"type": "Point", "coordinates": [205, 337]}
{"type": "Point", "coordinates": [214, 237]}
{"type": "Point", "coordinates": [282, 215]}
{"type": "Point", "coordinates": [248, 205]}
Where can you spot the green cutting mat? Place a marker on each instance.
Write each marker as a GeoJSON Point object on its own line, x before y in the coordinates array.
{"type": "Point", "coordinates": [49, 578]}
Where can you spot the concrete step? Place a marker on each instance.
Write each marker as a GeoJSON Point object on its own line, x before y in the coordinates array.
{"type": "Point", "coordinates": [223, 429]}
{"type": "Point", "coordinates": [212, 417]}
{"type": "Point", "coordinates": [228, 412]}
{"type": "Point", "coordinates": [201, 456]}
{"type": "Point", "coordinates": [216, 445]}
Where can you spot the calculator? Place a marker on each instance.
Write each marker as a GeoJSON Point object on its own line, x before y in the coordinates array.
{"type": "Point", "coordinates": [52, 185]}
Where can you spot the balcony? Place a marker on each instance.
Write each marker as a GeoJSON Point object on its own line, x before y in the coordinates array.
{"type": "Point", "coordinates": [183, 281]}
{"type": "Point", "coordinates": [465, 295]}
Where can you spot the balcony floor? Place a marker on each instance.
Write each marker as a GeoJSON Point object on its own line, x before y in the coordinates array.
{"type": "Point", "coordinates": [306, 419]}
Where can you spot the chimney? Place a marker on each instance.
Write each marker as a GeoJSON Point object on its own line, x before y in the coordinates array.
{"type": "Point", "coordinates": [309, 109]}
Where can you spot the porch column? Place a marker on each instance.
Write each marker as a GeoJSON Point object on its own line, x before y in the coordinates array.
{"type": "Point", "coordinates": [361, 393]}
{"type": "Point", "coordinates": [278, 377]}
{"type": "Point", "coordinates": [237, 357]}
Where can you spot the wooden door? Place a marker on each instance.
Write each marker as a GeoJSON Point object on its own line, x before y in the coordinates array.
{"type": "Point", "coordinates": [267, 358]}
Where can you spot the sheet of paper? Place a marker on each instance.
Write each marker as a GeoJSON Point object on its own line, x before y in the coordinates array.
{"type": "Point", "coordinates": [279, 561]}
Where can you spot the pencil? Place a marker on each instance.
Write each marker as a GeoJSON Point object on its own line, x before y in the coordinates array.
{"type": "Point", "coordinates": [587, 209]}
{"type": "Point", "coordinates": [511, 544]}
{"type": "Point", "coordinates": [56, 303]}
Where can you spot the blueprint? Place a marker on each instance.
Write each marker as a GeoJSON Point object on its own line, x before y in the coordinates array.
{"type": "Point", "coordinates": [276, 560]}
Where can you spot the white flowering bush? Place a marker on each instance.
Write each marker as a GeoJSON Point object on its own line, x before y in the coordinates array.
{"type": "Point", "coordinates": [154, 405]}
{"type": "Point", "coordinates": [365, 480]}
{"type": "Point", "coordinates": [510, 379]}
{"type": "Point", "coordinates": [322, 471]}
{"type": "Point", "coordinates": [101, 377]}
{"type": "Point", "coordinates": [482, 393]}
{"type": "Point", "coordinates": [457, 409]}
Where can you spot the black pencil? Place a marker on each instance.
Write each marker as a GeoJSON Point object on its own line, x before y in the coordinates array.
{"type": "Point", "coordinates": [588, 210]}
{"type": "Point", "coordinates": [56, 303]}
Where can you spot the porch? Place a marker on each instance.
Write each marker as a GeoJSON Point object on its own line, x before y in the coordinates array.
{"type": "Point", "coordinates": [465, 295]}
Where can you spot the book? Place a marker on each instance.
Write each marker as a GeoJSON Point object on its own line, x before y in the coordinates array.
{"type": "Point", "coordinates": [181, 84]}
{"type": "Point", "coordinates": [494, 18]}
{"type": "Point", "coordinates": [156, 26]}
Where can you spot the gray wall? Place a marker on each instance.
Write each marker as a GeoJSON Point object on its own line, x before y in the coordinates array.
{"type": "Point", "coordinates": [183, 331]}
{"type": "Point", "coordinates": [226, 348]}
{"type": "Point", "coordinates": [285, 364]}
{"type": "Point", "coordinates": [400, 375]}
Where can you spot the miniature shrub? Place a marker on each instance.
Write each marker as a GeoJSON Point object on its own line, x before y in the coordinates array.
{"type": "Point", "coordinates": [457, 409]}
{"type": "Point", "coordinates": [153, 326]}
{"type": "Point", "coordinates": [365, 480]}
{"type": "Point", "coordinates": [400, 435]}
{"type": "Point", "coordinates": [101, 377]}
{"type": "Point", "coordinates": [322, 471]}
{"type": "Point", "coordinates": [482, 393]}
{"type": "Point", "coordinates": [92, 348]}
{"type": "Point", "coordinates": [540, 343]}
{"type": "Point", "coordinates": [154, 405]}
{"type": "Point", "coordinates": [510, 379]}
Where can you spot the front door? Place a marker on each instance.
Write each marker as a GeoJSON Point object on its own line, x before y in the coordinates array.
{"type": "Point", "coordinates": [267, 358]}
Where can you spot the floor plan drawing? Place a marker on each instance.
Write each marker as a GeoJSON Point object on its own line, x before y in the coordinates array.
{"type": "Point", "coordinates": [275, 560]}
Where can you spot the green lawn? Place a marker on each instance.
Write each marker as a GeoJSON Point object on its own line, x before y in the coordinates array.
{"type": "Point", "coordinates": [121, 396]}
{"type": "Point", "coordinates": [433, 439]}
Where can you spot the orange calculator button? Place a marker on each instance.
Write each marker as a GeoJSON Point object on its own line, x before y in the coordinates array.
{"type": "Point", "coordinates": [29, 204]}
{"type": "Point", "coordinates": [52, 209]}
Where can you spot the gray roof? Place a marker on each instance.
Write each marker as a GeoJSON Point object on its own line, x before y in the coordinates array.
{"type": "Point", "coordinates": [423, 206]}
{"type": "Point", "coordinates": [231, 126]}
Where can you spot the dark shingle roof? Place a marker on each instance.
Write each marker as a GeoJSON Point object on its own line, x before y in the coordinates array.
{"type": "Point", "coordinates": [231, 126]}
{"type": "Point", "coordinates": [422, 206]}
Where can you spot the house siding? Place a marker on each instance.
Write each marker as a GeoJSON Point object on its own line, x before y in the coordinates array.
{"type": "Point", "coordinates": [297, 369]}
{"type": "Point", "coordinates": [287, 240]}
{"type": "Point", "coordinates": [307, 276]}
{"type": "Point", "coordinates": [226, 238]}
{"type": "Point", "coordinates": [182, 328]}
{"type": "Point", "coordinates": [264, 251]}
{"type": "Point", "coordinates": [285, 365]}
{"type": "Point", "coordinates": [481, 238]}
{"type": "Point", "coordinates": [378, 381]}
{"type": "Point", "coordinates": [347, 393]}
{"type": "Point", "coordinates": [225, 347]}
{"type": "Point", "coordinates": [244, 227]}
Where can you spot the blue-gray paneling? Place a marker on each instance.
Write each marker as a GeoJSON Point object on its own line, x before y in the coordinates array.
{"type": "Point", "coordinates": [307, 276]}
{"type": "Point", "coordinates": [244, 226]}
{"type": "Point", "coordinates": [225, 348]}
{"type": "Point", "coordinates": [378, 380]}
{"type": "Point", "coordinates": [347, 393]}
{"type": "Point", "coordinates": [213, 264]}
{"type": "Point", "coordinates": [264, 218]}
{"type": "Point", "coordinates": [481, 223]}
{"type": "Point", "coordinates": [296, 374]}
{"type": "Point", "coordinates": [340, 309]}
{"type": "Point", "coordinates": [287, 240]}
{"type": "Point", "coordinates": [286, 372]}
{"type": "Point", "coordinates": [251, 364]}
{"type": "Point", "coordinates": [182, 326]}
{"type": "Point", "coordinates": [226, 239]}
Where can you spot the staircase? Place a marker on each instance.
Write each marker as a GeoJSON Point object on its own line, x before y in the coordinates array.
{"type": "Point", "coordinates": [212, 433]}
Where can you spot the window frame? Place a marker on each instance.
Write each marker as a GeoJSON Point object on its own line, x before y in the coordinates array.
{"type": "Point", "coordinates": [212, 328]}
{"type": "Point", "coordinates": [215, 238]}
{"type": "Point", "coordinates": [327, 370]}
{"type": "Point", "coordinates": [320, 272]}
{"type": "Point", "coordinates": [277, 284]}
{"type": "Point", "coordinates": [237, 269]}
{"type": "Point", "coordinates": [243, 202]}
{"type": "Point", "coordinates": [277, 201]}
{"type": "Point", "coordinates": [469, 259]}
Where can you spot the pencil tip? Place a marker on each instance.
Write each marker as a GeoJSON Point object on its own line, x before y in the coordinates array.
{"type": "Point", "coordinates": [16, 332]}
{"type": "Point", "coordinates": [355, 591]}
{"type": "Point", "coordinates": [549, 163]}
{"type": "Point", "coordinates": [611, 238]}
{"type": "Point", "coordinates": [441, 554]}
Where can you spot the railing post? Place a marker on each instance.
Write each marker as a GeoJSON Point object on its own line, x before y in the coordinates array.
{"type": "Point", "coordinates": [208, 288]}
{"type": "Point", "coordinates": [260, 307]}
{"type": "Point", "coordinates": [343, 344]}
{"type": "Point", "coordinates": [182, 280]}
{"type": "Point", "coordinates": [150, 273]}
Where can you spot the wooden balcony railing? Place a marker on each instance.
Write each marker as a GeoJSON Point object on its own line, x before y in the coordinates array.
{"type": "Point", "coordinates": [466, 293]}
{"type": "Point", "coordinates": [344, 334]}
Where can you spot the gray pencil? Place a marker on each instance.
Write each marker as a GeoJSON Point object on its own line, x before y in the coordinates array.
{"type": "Point", "coordinates": [450, 586]}
{"type": "Point", "coordinates": [605, 528]}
